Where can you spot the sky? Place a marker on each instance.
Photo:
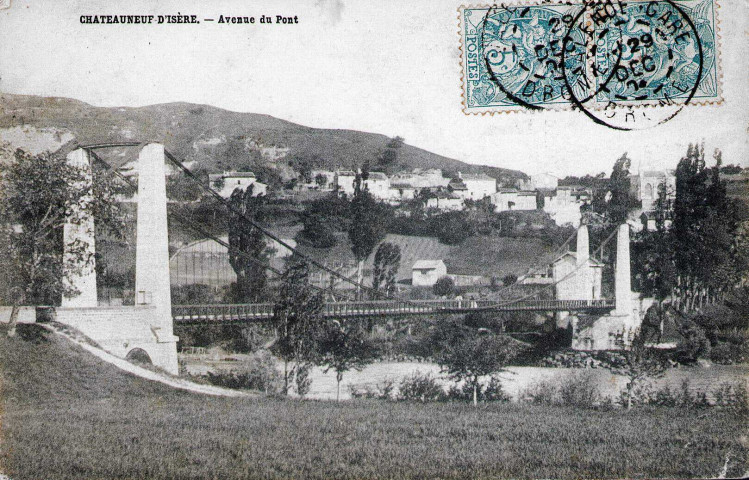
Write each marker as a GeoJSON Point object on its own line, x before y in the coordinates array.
{"type": "Point", "coordinates": [389, 67]}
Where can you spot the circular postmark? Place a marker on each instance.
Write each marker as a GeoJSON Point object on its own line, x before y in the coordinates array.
{"type": "Point", "coordinates": [522, 54]}
{"type": "Point", "coordinates": [637, 55]}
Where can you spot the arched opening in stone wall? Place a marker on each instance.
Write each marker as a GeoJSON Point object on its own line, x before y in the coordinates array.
{"type": "Point", "coordinates": [138, 356]}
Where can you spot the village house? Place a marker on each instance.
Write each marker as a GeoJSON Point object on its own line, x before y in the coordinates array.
{"type": "Point", "coordinates": [344, 181]}
{"type": "Point", "coordinates": [422, 178]}
{"type": "Point", "coordinates": [584, 284]}
{"type": "Point", "coordinates": [322, 180]}
{"type": "Point", "coordinates": [542, 181]}
{"type": "Point", "coordinates": [378, 185]}
{"type": "Point", "coordinates": [402, 191]}
{"type": "Point", "coordinates": [445, 201]}
{"type": "Point", "coordinates": [511, 199]}
{"type": "Point", "coordinates": [425, 273]}
{"type": "Point", "coordinates": [645, 186]}
{"type": "Point", "coordinates": [476, 186]}
{"type": "Point", "coordinates": [406, 186]}
{"type": "Point", "coordinates": [563, 205]}
{"type": "Point", "coordinates": [227, 182]}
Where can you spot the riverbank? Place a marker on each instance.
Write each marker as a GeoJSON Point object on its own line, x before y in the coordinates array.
{"type": "Point", "coordinates": [68, 415]}
{"type": "Point", "coordinates": [515, 381]}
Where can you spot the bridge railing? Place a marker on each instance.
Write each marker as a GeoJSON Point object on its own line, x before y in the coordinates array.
{"type": "Point", "coordinates": [223, 312]}
{"type": "Point", "coordinates": [264, 311]}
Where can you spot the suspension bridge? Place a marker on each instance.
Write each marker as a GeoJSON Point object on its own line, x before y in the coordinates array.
{"type": "Point", "coordinates": [148, 325]}
{"type": "Point", "coordinates": [251, 312]}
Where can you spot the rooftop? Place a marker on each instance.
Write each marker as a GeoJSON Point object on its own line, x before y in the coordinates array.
{"type": "Point", "coordinates": [428, 264]}
{"type": "Point", "coordinates": [235, 175]}
{"type": "Point", "coordinates": [477, 176]}
{"type": "Point", "coordinates": [377, 176]}
{"type": "Point", "coordinates": [592, 260]}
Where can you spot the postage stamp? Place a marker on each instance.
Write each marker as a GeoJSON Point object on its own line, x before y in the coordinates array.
{"type": "Point", "coordinates": [589, 55]}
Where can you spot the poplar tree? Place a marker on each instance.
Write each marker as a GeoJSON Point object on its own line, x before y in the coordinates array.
{"type": "Point", "coordinates": [248, 250]}
{"type": "Point", "coordinates": [368, 225]}
{"type": "Point", "coordinates": [296, 317]}
{"type": "Point", "coordinates": [386, 264]}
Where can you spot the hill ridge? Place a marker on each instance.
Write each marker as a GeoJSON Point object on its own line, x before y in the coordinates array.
{"type": "Point", "coordinates": [217, 139]}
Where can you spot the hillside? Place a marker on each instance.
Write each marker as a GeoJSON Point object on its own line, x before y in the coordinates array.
{"type": "Point", "coordinates": [486, 255]}
{"type": "Point", "coordinates": [213, 138]}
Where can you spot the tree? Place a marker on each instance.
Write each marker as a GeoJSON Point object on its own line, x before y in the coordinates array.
{"type": "Point", "coordinates": [386, 264]}
{"type": "Point", "coordinates": [640, 364]}
{"type": "Point", "coordinates": [248, 250]}
{"type": "Point", "coordinates": [321, 180]}
{"type": "Point", "coordinates": [219, 183]}
{"type": "Point", "coordinates": [709, 248]}
{"type": "Point", "coordinates": [38, 194]}
{"type": "Point", "coordinates": [509, 279]}
{"type": "Point", "coordinates": [342, 347]}
{"type": "Point", "coordinates": [296, 317]}
{"type": "Point", "coordinates": [368, 225]}
{"type": "Point", "coordinates": [322, 218]}
{"type": "Point", "coordinates": [390, 154]}
{"type": "Point", "coordinates": [653, 252]}
{"type": "Point", "coordinates": [619, 186]}
{"type": "Point", "coordinates": [444, 286]}
{"type": "Point", "coordinates": [466, 355]}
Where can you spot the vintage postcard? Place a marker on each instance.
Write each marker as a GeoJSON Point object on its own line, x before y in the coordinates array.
{"type": "Point", "coordinates": [334, 239]}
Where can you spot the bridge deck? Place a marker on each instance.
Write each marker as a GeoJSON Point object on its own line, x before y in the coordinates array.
{"type": "Point", "coordinates": [250, 312]}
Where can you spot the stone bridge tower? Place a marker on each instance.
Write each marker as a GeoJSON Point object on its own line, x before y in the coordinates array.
{"type": "Point", "coordinates": [147, 326]}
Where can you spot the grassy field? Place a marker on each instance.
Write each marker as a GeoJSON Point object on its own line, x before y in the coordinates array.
{"type": "Point", "coordinates": [68, 415]}
{"type": "Point", "coordinates": [487, 255]}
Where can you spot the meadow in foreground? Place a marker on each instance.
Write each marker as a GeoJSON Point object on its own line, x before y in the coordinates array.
{"type": "Point", "coordinates": [68, 415]}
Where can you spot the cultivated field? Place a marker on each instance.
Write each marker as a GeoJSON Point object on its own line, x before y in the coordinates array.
{"type": "Point", "coordinates": [68, 415]}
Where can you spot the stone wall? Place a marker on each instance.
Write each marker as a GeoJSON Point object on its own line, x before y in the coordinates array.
{"type": "Point", "coordinates": [120, 330]}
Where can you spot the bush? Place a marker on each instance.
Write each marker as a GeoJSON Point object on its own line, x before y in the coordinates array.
{"type": "Point", "coordinates": [384, 390]}
{"type": "Point", "coordinates": [683, 397]}
{"type": "Point", "coordinates": [303, 380]}
{"type": "Point", "coordinates": [452, 227]}
{"type": "Point", "coordinates": [580, 390]}
{"type": "Point", "coordinates": [257, 373]}
{"type": "Point", "coordinates": [694, 346]}
{"type": "Point", "coordinates": [732, 397]}
{"type": "Point", "coordinates": [729, 353]}
{"type": "Point", "coordinates": [541, 393]}
{"type": "Point", "coordinates": [444, 286]}
{"type": "Point", "coordinates": [491, 392]}
{"type": "Point", "coordinates": [420, 387]}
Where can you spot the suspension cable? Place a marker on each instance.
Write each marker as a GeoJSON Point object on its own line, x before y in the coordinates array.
{"type": "Point", "coordinates": [276, 238]}
{"type": "Point", "coordinates": [200, 230]}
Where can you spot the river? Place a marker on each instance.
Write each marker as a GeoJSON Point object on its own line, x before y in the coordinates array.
{"type": "Point", "coordinates": [515, 380]}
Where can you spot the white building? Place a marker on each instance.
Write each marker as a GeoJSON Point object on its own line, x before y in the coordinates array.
{"type": "Point", "coordinates": [322, 180]}
{"type": "Point", "coordinates": [425, 273]}
{"type": "Point", "coordinates": [511, 199]}
{"type": "Point", "coordinates": [227, 182]}
{"type": "Point", "coordinates": [645, 186]}
{"type": "Point", "coordinates": [419, 178]}
{"type": "Point", "coordinates": [344, 181]}
{"type": "Point", "coordinates": [402, 191]}
{"type": "Point", "coordinates": [446, 202]}
{"type": "Point", "coordinates": [542, 181]}
{"type": "Point", "coordinates": [378, 185]}
{"type": "Point", "coordinates": [563, 205]}
{"type": "Point", "coordinates": [583, 284]}
{"type": "Point", "coordinates": [477, 186]}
